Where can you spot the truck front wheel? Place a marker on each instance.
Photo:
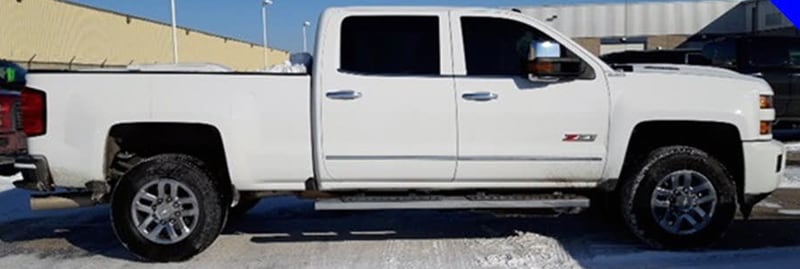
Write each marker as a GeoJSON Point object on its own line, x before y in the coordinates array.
{"type": "Point", "coordinates": [167, 208]}
{"type": "Point", "coordinates": [679, 197]}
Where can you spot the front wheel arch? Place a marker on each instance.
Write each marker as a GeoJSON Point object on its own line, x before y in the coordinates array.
{"type": "Point", "coordinates": [721, 140]}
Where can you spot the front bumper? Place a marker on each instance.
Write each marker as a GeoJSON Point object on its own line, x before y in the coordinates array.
{"type": "Point", "coordinates": [764, 165]}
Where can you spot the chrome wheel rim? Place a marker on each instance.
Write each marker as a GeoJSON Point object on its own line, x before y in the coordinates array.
{"type": "Point", "coordinates": [683, 202]}
{"type": "Point", "coordinates": [165, 211]}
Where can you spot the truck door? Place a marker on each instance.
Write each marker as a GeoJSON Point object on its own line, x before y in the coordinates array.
{"type": "Point", "coordinates": [513, 129]}
{"type": "Point", "coordinates": [387, 113]}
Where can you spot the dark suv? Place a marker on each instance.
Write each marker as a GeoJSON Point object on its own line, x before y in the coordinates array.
{"type": "Point", "coordinates": [774, 58]}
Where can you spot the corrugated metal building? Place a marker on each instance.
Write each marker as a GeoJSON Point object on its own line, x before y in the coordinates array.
{"type": "Point", "coordinates": [612, 27]}
{"type": "Point", "coordinates": [64, 35]}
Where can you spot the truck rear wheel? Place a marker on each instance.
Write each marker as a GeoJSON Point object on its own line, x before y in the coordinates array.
{"type": "Point", "coordinates": [679, 197]}
{"type": "Point", "coordinates": [167, 208]}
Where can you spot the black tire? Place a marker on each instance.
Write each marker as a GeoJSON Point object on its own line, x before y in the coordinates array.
{"type": "Point", "coordinates": [639, 187]}
{"type": "Point", "coordinates": [8, 170]}
{"type": "Point", "coordinates": [241, 208]}
{"type": "Point", "coordinates": [186, 170]}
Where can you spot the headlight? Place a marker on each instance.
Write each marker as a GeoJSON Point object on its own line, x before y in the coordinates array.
{"type": "Point", "coordinates": [765, 101]}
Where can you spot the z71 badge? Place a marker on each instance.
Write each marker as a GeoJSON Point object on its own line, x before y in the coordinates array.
{"type": "Point", "coordinates": [579, 137]}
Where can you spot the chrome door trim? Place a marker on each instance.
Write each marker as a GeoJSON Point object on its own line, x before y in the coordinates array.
{"type": "Point", "coordinates": [388, 158]}
{"type": "Point", "coordinates": [462, 158]}
{"type": "Point", "coordinates": [528, 158]}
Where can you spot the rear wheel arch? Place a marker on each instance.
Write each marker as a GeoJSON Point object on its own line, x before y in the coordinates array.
{"type": "Point", "coordinates": [127, 144]}
{"type": "Point", "coordinates": [179, 219]}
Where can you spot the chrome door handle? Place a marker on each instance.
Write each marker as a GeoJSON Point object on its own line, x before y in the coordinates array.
{"type": "Point", "coordinates": [480, 96]}
{"type": "Point", "coordinates": [343, 95]}
{"type": "Point", "coordinates": [795, 75]}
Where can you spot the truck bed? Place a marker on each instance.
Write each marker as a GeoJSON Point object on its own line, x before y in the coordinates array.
{"type": "Point", "coordinates": [263, 120]}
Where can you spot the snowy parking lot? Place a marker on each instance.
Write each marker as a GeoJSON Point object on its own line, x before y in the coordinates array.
{"type": "Point", "coordinates": [287, 233]}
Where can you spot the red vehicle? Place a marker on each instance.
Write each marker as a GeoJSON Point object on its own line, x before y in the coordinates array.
{"type": "Point", "coordinates": [13, 145]}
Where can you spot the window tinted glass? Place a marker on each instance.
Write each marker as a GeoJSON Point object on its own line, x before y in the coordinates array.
{"type": "Point", "coordinates": [391, 45]}
{"type": "Point", "coordinates": [778, 52]}
{"type": "Point", "coordinates": [500, 47]}
{"type": "Point", "coordinates": [721, 53]}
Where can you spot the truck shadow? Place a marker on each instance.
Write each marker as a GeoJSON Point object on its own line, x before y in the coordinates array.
{"type": "Point", "coordinates": [55, 234]}
{"type": "Point", "coordinates": [87, 232]}
{"type": "Point", "coordinates": [297, 222]}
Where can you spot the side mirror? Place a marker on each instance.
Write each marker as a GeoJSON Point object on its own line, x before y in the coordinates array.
{"type": "Point", "coordinates": [554, 69]}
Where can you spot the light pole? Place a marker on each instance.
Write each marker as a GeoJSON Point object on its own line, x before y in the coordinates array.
{"type": "Point", "coordinates": [174, 35]}
{"type": "Point", "coordinates": [625, 36]}
{"type": "Point", "coordinates": [264, 5]}
{"type": "Point", "coordinates": [306, 24]}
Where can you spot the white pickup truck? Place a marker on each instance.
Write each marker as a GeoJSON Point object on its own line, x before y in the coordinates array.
{"type": "Point", "coordinates": [405, 108]}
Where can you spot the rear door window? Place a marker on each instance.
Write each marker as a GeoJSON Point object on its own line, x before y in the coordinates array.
{"type": "Point", "coordinates": [391, 45]}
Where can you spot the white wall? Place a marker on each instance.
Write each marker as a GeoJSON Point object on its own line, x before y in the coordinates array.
{"type": "Point", "coordinates": [643, 19]}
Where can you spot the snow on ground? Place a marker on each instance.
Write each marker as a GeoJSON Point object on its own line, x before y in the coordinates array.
{"type": "Point", "coordinates": [792, 178]}
{"type": "Point", "coordinates": [793, 146]}
{"type": "Point", "coordinates": [287, 233]}
{"type": "Point", "coordinates": [524, 250]}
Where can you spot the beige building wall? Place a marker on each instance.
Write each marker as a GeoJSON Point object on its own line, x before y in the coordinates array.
{"type": "Point", "coordinates": [666, 41]}
{"type": "Point", "coordinates": [51, 33]}
{"type": "Point", "coordinates": [595, 45]}
{"type": "Point", "coordinates": [589, 43]}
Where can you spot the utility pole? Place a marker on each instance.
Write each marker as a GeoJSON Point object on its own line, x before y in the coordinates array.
{"type": "Point", "coordinates": [627, 15]}
{"type": "Point", "coordinates": [264, 5]}
{"type": "Point", "coordinates": [174, 35]}
{"type": "Point", "coordinates": [306, 24]}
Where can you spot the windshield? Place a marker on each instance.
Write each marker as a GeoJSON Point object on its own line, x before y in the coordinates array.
{"type": "Point", "coordinates": [775, 53]}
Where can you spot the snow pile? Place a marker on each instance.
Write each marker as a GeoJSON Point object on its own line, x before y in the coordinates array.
{"type": "Point", "coordinates": [288, 68]}
{"type": "Point", "coordinates": [524, 250]}
{"type": "Point", "coordinates": [298, 63]}
{"type": "Point", "coordinates": [791, 178]}
{"type": "Point", "coordinates": [6, 183]}
{"type": "Point", "coordinates": [793, 146]}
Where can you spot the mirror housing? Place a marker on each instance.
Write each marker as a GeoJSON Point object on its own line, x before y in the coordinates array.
{"type": "Point", "coordinates": [555, 69]}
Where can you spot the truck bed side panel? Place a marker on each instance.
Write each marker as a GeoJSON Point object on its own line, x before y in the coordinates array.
{"type": "Point", "coordinates": [264, 121]}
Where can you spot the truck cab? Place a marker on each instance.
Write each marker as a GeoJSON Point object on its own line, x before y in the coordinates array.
{"type": "Point", "coordinates": [447, 92]}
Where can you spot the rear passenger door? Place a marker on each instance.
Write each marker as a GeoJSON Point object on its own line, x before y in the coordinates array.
{"type": "Point", "coordinates": [387, 107]}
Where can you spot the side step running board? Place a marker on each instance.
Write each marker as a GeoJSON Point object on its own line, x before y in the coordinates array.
{"type": "Point", "coordinates": [453, 202]}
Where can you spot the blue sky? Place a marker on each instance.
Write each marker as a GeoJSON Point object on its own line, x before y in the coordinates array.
{"type": "Point", "coordinates": [242, 18]}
